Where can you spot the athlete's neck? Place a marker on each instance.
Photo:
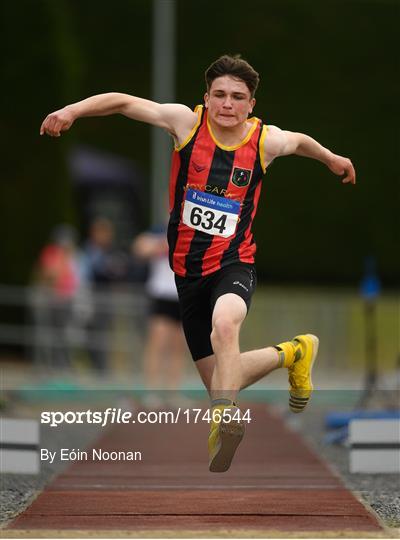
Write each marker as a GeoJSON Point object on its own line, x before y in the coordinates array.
{"type": "Point", "coordinates": [230, 136]}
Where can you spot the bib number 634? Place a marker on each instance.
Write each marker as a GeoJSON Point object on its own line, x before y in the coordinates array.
{"type": "Point", "coordinates": [207, 220]}
{"type": "Point", "coordinates": [210, 214]}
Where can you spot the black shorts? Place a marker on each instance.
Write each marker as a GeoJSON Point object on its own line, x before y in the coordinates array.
{"type": "Point", "coordinates": [165, 308]}
{"type": "Point", "coordinates": [197, 298]}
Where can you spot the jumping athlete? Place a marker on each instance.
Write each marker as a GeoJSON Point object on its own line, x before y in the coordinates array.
{"type": "Point", "coordinates": [220, 157]}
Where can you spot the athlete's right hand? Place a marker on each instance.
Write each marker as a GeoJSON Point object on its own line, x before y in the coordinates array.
{"type": "Point", "coordinates": [57, 122]}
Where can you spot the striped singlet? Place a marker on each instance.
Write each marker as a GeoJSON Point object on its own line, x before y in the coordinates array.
{"type": "Point", "coordinates": [214, 192]}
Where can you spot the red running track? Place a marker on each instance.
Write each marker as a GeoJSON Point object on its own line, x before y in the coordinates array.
{"type": "Point", "coordinates": [276, 483]}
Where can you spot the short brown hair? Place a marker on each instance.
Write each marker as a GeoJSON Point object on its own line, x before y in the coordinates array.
{"type": "Point", "coordinates": [236, 67]}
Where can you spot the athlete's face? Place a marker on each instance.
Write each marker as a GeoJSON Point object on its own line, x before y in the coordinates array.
{"type": "Point", "coordinates": [228, 101]}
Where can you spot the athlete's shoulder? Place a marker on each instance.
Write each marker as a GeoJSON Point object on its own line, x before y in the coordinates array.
{"type": "Point", "coordinates": [178, 114]}
{"type": "Point", "coordinates": [187, 128]}
{"type": "Point", "coordinates": [274, 132]}
{"type": "Point", "coordinates": [274, 141]}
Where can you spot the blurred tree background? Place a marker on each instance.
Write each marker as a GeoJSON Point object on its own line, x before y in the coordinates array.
{"type": "Point", "coordinates": [328, 69]}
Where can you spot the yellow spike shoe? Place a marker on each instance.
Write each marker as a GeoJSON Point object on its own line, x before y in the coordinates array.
{"type": "Point", "coordinates": [301, 386]}
{"type": "Point", "coordinates": [224, 438]}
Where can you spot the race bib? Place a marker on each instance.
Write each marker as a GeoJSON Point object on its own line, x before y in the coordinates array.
{"type": "Point", "coordinates": [210, 214]}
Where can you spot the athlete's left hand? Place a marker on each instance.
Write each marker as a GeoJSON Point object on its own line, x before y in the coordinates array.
{"type": "Point", "coordinates": [342, 166]}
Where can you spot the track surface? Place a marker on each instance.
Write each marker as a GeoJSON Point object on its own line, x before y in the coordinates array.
{"type": "Point", "coordinates": [276, 483]}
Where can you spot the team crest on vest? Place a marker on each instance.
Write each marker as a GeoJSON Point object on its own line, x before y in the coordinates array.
{"type": "Point", "coordinates": [241, 177]}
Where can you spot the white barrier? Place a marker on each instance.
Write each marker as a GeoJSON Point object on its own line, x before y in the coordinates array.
{"type": "Point", "coordinates": [374, 446]}
{"type": "Point", "coordinates": [19, 446]}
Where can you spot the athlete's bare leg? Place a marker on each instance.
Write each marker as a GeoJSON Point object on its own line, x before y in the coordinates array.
{"type": "Point", "coordinates": [255, 365]}
{"type": "Point", "coordinates": [228, 369]}
{"type": "Point", "coordinates": [228, 315]}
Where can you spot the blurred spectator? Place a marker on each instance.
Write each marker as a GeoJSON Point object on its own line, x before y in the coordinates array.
{"type": "Point", "coordinates": [102, 265]}
{"type": "Point", "coordinates": [165, 345]}
{"type": "Point", "coordinates": [57, 279]}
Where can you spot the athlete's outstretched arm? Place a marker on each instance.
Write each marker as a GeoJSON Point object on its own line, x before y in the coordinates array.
{"type": "Point", "coordinates": [172, 117]}
{"type": "Point", "coordinates": [284, 143]}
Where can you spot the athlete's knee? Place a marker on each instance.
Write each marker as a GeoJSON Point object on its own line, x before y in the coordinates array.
{"type": "Point", "coordinates": [225, 330]}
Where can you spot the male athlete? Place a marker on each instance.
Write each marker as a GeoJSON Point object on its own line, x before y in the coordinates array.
{"type": "Point", "coordinates": [220, 157]}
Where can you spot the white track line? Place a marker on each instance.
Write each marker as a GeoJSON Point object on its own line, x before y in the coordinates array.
{"type": "Point", "coordinates": [193, 486]}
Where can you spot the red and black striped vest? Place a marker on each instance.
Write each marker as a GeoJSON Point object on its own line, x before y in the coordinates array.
{"type": "Point", "coordinates": [219, 173]}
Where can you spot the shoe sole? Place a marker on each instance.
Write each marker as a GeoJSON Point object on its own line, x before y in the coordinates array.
{"type": "Point", "coordinates": [294, 401]}
{"type": "Point", "coordinates": [230, 435]}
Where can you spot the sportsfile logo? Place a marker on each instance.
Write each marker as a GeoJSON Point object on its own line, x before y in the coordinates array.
{"type": "Point", "coordinates": [113, 415]}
